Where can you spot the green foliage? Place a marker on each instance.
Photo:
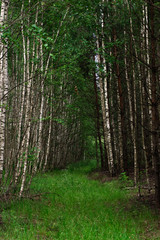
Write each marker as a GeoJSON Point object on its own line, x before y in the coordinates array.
{"type": "Point", "coordinates": [32, 155]}
{"type": "Point", "coordinates": [123, 177]}
{"type": "Point", "coordinates": [125, 180]}
{"type": "Point", "coordinates": [61, 121]}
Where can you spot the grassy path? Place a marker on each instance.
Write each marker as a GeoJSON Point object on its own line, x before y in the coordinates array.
{"type": "Point", "coordinates": [72, 207]}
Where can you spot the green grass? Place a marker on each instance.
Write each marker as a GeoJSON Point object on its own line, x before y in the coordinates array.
{"type": "Point", "coordinates": [72, 207]}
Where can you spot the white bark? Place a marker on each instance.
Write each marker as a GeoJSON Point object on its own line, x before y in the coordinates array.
{"type": "Point", "coordinates": [145, 45]}
{"type": "Point", "coordinates": [148, 74]}
{"type": "Point", "coordinates": [3, 83]}
{"type": "Point", "coordinates": [21, 112]}
{"type": "Point", "coordinates": [107, 118]}
{"type": "Point", "coordinates": [25, 146]}
{"type": "Point", "coordinates": [105, 100]}
{"type": "Point", "coordinates": [39, 143]}
{"type": "Point", "coordinates": [48, 144]}
{"type": "Point", "coordinates": [105, 114]}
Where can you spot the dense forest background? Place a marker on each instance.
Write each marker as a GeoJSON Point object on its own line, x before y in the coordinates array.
{"type": "Point", "coordinates": [79, 80]}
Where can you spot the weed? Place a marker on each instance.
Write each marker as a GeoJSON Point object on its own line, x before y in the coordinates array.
{"type": "Point", "coordinates": [124, 179]}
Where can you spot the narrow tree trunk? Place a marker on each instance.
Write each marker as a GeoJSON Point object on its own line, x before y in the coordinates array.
{"type": "Point", "coordinates": [145, 95]}
{"type": "Point", "coordinates": [121, 100]}
{"type": "Point", "coordinates": [155, 110]}
{"type": "Point", "coordinates": [98, 121]}
{"type": "Point", "coordinates": [48, 144]}
{"type": "Point", "coordinates": [3, 83]}
{"type": "Point", "coordinates": [106, 103]}
{"type": "Point", "coordinates": [39, 143]}
{"type": "Point", "coordinates": [25, 145]}
{"type": "Point", "coordinates": [131, 112]}
{"type": "Point", "coordinates": [23, 89]}
{"type": "Point", "coordinates": [148, 80]}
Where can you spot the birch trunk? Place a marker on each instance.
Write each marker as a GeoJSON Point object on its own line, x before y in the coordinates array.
{"type": "Point", "coordinates": [149, 93]}
{"type": "Point", "coordinates": [27, 122]}
{"type": "Point", "coordinates": [39, 144]}
{"type": "Point", "coordinates": [98, 120]}
{"type": "Point", "coordinates": [107, 112]}
{"type": "Point", "coordinates": [23, 89]}
{"type": "Point", "coordinates": [48, 144]}
{"type": "Point", "coordinates": [145, 101]}
{"type": "Point", "coordinates": [104, 99]}
{"type": "Point", "coordinates": [3, 83]}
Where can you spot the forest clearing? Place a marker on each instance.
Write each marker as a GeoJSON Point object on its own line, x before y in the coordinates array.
{"type": "Point", "coordinates": [68, 205]}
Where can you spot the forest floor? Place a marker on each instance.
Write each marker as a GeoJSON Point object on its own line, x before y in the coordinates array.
{"type": "Point", "coordinates": [72, 204]}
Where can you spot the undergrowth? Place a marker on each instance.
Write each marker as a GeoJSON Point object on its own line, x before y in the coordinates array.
{"type": "Point", "coordinates": [66, 205]}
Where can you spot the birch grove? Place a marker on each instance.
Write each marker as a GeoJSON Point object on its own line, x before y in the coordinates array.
{"type": "Point", "coordinates": [79, 81]}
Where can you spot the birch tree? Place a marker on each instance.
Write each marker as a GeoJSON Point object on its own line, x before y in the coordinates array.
{"type": "Point", "coordinates": [3, 81]}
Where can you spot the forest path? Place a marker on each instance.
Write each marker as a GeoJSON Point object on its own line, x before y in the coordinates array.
{"type": "Point", "coordinates": [68, 205]}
